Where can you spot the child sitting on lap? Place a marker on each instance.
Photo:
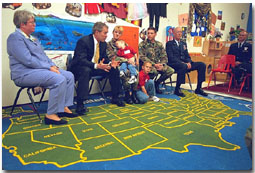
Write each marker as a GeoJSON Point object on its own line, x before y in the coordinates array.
{"type": "Point", "coordinates": [132, 60]}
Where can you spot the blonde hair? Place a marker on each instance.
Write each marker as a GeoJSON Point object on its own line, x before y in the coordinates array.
{"type": "Point", "coordinates": [118, 28]}
{"type": "Point", "coordinates": [146, 62]}
{"type": "Point", "coordinates": [121, 41]}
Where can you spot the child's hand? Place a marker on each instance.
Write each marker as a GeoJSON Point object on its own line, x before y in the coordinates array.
{"type": "Point", "coordinates": [130, 61]}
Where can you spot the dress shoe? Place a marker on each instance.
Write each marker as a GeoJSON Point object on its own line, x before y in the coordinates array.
{"type": "Point", "coordinates": [118, 102]}
{"type": "Point", "coordinates": [127, 98]}
{"type": "Point", "coordinates": [134, 98]}
{"type": "Point", "coordinates": [178, 92]}
{"type": "Point", "coordinates": [81, 110]}
{"type": "Point", "coordinates": [201, 92]}
{"type": "Point", "coordinates": [129, 101]}
{"type": "Point", "coordinates": [48, 121]}
{"type": "Point", "coordinates": [65, 114]}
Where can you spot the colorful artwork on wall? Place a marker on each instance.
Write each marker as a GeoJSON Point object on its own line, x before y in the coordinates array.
{"type": "Point", "coordinates": [197, 41]}
{"type": "Point", "coordinates": [12, 6]}
{"type": "Point", "coordinates": [214, 18]}
{"type": "Point", "coordinates": [41, 6]}
{"type": "Point", "coordinates": [222, 26]}
{"type": "Point", "coordinates": [220, 15]}
{"type": "Point", "coordinates": [183, 19]}
{"type": "Point", "coordinates": [169, 33]}
{"type": "Point", "coordinates": [60, 34]}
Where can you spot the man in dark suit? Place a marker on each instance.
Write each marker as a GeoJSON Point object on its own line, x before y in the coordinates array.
{"type": "Point", "coordinates": [243, 52]}
{"type": "Point", "coordinates": [90, 59]}
{"type": "Point", "coordinates": [179, 59]}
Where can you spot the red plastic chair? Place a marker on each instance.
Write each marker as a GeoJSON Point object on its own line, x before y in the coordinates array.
{"type": "Point", "coordinates": [224, 66]}
{"type": "Point", "coordinates": [243, 83]}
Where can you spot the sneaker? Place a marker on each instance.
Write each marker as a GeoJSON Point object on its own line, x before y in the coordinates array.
{"type": "Point", "coordinates": [132, 80]}
{"type": "Point", "coordinates": [122, 73]}
{"type": "Point", "coordinates": [155, 99]}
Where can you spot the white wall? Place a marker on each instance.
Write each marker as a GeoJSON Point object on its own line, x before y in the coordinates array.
{"type": "Point", "coordinates": [231, 15]}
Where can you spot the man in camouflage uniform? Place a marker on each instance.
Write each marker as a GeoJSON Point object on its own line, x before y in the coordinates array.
{"type": "Point", "coordinates": [111, 52]}
{"type": "Point", "coordinates": [154, 52]}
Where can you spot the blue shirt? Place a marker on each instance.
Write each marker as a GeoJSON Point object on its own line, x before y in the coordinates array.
{"type": "Point", "coordinates": [25, 54]}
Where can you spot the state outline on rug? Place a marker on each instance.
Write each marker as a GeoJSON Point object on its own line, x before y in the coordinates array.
{"type": "Point", "coordinates": [108, 128]}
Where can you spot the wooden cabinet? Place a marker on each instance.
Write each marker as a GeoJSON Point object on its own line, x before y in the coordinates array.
{"type": "Point", "coordinates": [215, 49]}
{"type": "Point", "coordinates": [209, 62]}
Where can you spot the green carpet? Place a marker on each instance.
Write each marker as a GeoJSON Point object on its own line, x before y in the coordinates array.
{"type": "Point", "coordinates": [109, 132]}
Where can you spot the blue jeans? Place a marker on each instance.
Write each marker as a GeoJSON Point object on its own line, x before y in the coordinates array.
{"type": "Point", "coordinates": [124, 66]}
{"type": "Point", "coordinates": [150, 88]}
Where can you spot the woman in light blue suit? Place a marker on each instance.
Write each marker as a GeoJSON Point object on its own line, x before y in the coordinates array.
{"type": "Point", "coordinates": [30, 66]}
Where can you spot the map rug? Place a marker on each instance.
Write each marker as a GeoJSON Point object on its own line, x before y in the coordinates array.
{"type": "Point", "coordinates": [189, 133]}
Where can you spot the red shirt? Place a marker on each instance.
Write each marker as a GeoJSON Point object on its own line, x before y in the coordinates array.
{"type": "Point", "coordinates": [143, 78]}
{"type": "Point", "coordinates": [128, 52]}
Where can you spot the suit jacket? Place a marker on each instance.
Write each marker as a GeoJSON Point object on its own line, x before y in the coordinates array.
{"type": "Point", "coordinates": [243, 54]}
{"type": "Point", "coordinates": [177, 53]}
{"type": "Point", "coordinates": [84, 52]}
{"type": "Point", "coordinates": [25, 55]}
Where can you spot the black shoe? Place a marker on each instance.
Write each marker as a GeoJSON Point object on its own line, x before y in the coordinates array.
{"type": "Point", "coordinates": [65, 114]}
{"type": "Point", "coordinates": [158, 91]}
{"type": "Point", "coordinates": [179, 93]}
{"type": "Point", "coordinates": [48, 121]}
{"type": "Point", "coordinates": [201, 92]}
{"type": "Point", "coordinates": [134, 98]}
{"type": "Point", "coordinates": [81, 110]}
{"type": "Point", "coordinates": [118, 102]}
{"type": "Point", "coordinates": [128, 99]}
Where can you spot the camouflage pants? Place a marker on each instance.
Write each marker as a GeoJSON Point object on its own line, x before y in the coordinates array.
{"type": "Point", "coordinates": [165, 73]}
{"type": "Point", "coordinates": [126, 85]}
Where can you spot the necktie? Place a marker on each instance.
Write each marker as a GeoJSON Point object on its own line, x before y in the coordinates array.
{"type": "Point", "coordinates": [97, 54]}
{"type": "Point", "coordinates": [239, 45]}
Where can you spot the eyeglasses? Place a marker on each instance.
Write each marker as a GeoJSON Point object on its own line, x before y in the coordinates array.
{"type": "Point", "coordinates": [31, 22]}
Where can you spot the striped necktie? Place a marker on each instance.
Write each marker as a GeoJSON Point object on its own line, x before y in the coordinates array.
{"type": "Point", "coordinates": [97, 54]}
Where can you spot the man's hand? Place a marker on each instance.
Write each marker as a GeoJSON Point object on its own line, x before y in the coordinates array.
{"type": "Point", "coordinates": [102, 66]}
{"type": "Point", "coordinates": [54, 69]}
{"type": "Point", "coordinates": [114, 63]}
{"type": "Point", "coordinates": [188, 65]}
{"type": "Point", "coordinates": [238, 62]}
{"type": "Point", "coordinates": [159, 67]}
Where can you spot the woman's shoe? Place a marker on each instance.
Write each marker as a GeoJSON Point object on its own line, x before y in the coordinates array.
{"type": "Point", "coordinates": [65, 114]}
{"type": "Point", "coordinates": [48, 121]}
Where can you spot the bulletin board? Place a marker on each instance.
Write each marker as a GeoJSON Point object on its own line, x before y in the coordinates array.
{"type": "Point", "coordinates": [131, 36]}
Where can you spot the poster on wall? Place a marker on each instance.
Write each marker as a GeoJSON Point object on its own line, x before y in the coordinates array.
{"type": "Point", "coordinates": [212, 30]}
{"type": "Point", "coordinates": [169, 33]}
{"type": "Point", "coordinates": [222, 26]}
{"type": "Point", "coordinates": [197, 41]}
{"type": "Point", "coordinates": [74, 9]}
{"type": "Point", "coordinates": [12, 6]}
{"type": "Point", "coordinates": [60, 34]}
{"type": "Point", "coordinates": [214, 18]}
{"type": "Point", "coordinates": [184, 34]}
{"type": "Point", "coordinates": [219, 15]}
{"type": "Point", "coordinates": [41, 6]}
{"type": "Point", "coordinates": [183, 19]}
